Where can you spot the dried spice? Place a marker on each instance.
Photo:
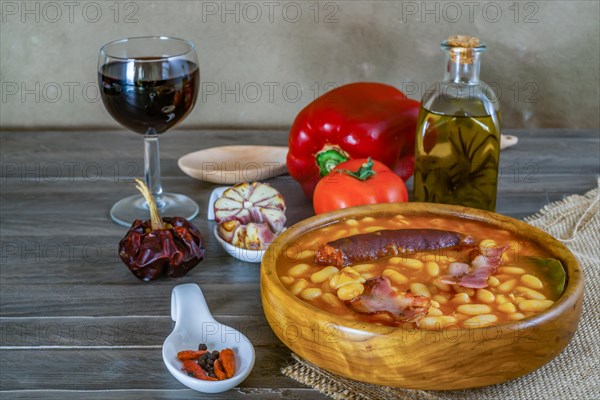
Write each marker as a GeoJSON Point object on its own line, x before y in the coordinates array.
{"type": "Point", "coordinates": [190, 354]}
{"type": "Point", "coordinates": [195, 371]}
{"type": "Point", "coordinates": [227, 358]}
{"type": "Point", "coordinates": [211, 366]}
{"type": "Point", "coordinates": [169, 246]}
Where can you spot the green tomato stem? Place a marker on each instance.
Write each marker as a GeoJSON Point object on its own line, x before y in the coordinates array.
{"type": "Point", "coordinates": [363, 173]}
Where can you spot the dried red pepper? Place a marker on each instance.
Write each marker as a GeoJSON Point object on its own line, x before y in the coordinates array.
{"type": "Point", "coordinates": [357, 120]}
{"type": "Point", "coordinates": [227, 361]}
{"type": "Point", "coordinates": [211, 365]}
{"type": "Point", "coordinates": [170, 245]}
{"type": "Point", "coordinates": [220, 370]}
{"type": "Point", "coordinates": [190, 354]}
{"type": "Point", "coordinates": [192, 368]}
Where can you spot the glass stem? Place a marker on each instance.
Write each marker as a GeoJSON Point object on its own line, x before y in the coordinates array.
{"type": "Point", "coordinates": [152, 163]}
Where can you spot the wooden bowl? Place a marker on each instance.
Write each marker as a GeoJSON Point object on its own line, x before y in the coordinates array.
{"type": "Point", "coordinates": [414, 358]}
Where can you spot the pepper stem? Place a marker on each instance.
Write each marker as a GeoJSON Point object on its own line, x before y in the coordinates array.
{"type": "Point", "coordinates": [155, 219]}
{"type": "Point", "coordinates": [328, 158]}
{"type": "Point", "coordinates": [363, 173]}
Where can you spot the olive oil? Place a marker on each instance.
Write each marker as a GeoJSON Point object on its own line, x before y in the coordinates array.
{"type": "Point", "coordinates": [458, 133]}
{"type": "Point", "coordinates": [456, 160]}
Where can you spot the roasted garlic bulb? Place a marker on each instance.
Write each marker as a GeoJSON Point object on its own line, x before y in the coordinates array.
{"type": "Point", "coordinates": [250, 215]}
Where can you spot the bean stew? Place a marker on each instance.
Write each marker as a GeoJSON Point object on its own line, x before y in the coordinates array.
{"type": "Point", "coordinates": [396, 270]}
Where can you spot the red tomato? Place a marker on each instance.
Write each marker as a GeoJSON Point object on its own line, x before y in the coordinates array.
{"type": "Point", "coordinates": [357, 182]}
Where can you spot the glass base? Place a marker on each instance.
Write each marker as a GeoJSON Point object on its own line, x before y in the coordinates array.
{"type": "Point", "coordinates": [127, 210]}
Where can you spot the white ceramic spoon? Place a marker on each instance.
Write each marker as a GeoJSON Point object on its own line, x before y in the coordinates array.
{"type": "Point", "coordinates": [194, 324]}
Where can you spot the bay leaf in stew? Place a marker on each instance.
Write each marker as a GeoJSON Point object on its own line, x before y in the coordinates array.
{"type": "Point", "coordinates": [553, 270]}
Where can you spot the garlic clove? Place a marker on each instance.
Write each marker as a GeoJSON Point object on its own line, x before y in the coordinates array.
{"type": "Point", "coordinates": [258, 236]}
{"type": "Point", "coordinates": [227, 229]}
{"type": "Point", "coordinates": [275, 219]}
{"type": "Point", "coordinates": [265, 196]}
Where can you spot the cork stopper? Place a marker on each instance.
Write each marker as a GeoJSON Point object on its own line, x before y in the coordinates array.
{"type": "Point", "coordinates": [461, 47]}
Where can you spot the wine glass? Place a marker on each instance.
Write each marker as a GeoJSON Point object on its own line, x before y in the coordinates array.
{"type": "Point", "coordinates": [149, 84]}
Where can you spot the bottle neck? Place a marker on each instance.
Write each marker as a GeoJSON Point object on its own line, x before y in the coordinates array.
{"type": "Point", "coordinates": [462, 66]}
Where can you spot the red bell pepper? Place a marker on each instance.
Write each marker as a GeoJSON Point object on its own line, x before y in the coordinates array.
{"type": "Point", "coordinates": [357, 120]}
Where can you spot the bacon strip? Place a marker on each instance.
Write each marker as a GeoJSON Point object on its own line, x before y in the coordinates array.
{"type": "Point", "coordinates": [386, 243]}
{"type": "Point", "coordinates": [380, 298]}
{"type": "Point", "coordinates": [481, 268]}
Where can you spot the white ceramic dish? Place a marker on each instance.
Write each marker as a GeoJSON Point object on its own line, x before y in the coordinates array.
{"type": "Point", "coordinates": [194, 324]}
{"type": "Point", "coordinates": [251, 256]}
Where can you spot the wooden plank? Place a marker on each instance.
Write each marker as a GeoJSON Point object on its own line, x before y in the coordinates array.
{"type": "Point", "coordinates": [48, 156]}
{"type": "Point", "coordinates": [24, 208]}
{"type": "Point", "coordinates": [173, 394]}
{"type": "Point", "coordinates": [56, 190]}
{"type": "Point", "coordinates": [37, 249]}
{"type": "Point", "coordinates": [556, 133]}
{"type": "Point", "coordinates": [82, 208]}
{"type": "Point", "coordinates": [118, 331]}
{"type": "Point", "coordinates": [44, 155]}
{"type": "Point", "coordinates": [97, 369]}
{"type": "Point", "coordinates": [98, 299]}
{"type": "Point", "coordinates": [69, 259]}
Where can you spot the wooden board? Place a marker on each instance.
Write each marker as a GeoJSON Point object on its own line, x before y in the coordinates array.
{"type": "Point", "coordinates": [63, 291]}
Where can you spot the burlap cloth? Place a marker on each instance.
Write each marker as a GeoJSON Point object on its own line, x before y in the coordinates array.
{"type": "Point", "coordinates": [574, 374]}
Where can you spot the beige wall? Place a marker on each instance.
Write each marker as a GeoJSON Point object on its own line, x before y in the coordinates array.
{"type": "Point", "coordinates": [544, 56]}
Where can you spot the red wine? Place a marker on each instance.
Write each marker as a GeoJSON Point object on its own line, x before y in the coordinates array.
{"type": "Point", "coordinates": [149, 93]}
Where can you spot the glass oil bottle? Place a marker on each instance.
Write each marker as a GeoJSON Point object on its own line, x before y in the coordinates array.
{"type": "Point", "coordinates": [458, 133]}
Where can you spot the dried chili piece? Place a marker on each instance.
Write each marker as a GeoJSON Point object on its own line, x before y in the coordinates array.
{"type": "Point", "coordinates": [190, 354]}
{"type": "Point", "coordinates": [220, 371]}
{"type": "Point", "coordinates": [192, 368]}
{"type": "Point", "coordinates": [170, 245]}
{"type": "Point", "coordinates": [227, 360]}
{"type": "Point", "coordinates": [212, 366]}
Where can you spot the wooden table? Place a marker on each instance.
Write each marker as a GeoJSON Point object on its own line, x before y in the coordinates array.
{"type": "Point", "coordinates": [76, 324]}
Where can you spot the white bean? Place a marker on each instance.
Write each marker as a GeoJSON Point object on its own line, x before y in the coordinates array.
{"type": "Point", "coordinates": [434, 312]}
{"type": "Point", "coordinates": [474, 309]}
{"type": "Point", "coordinates": [485, 296]}
{"type": "Point", "coordinates": [432, 268]}
{"type": "Point", "coordinates": [534, 305]}
{"type": "Point", "coordinates": [287, 280]}
{"type": "Point", "coordinates": [370, 229]}
{"type": "Point", "coordinates": [363, 267]}
{"type": "Point", "coordinates": [324, 274]}
{"type": "Point", "coordinates": [507, 307]}
{"type": "Point", "coordinates": [493, 281]}
{"type": "Point", "coordinates": [507, 286]}
{"type": "Point", "coordinates": [532, 281]}
{"type": "Point", "coordinates": [437, 322]}
{"type": "Point", "coordinates": [299, 286]}
{"type": "Point", "coordinates": [481, 320]}
{"type": "Point", "coordinates": [420, 290]}
{"type": "Point", "coordinates": [461, 298]}
{"type": "Point", "coordinates": [412, 263]}
{"type": "Point", "coordinates": [331, 299]}
{"type": "Point", "coordinates": [440, 299]}
{"type": "Point", "coordinates": [298, 270]}
{"type": "Point", "coordinates": [395, 276]}
{"type": "Point", "coordinates": [311, 293]}
{"type": "Point", "coordinates": [511, 270]}
{"type": "Point", "coordinates": [530, 293]}
{"type": "Point", "coordinates": [350, 291]}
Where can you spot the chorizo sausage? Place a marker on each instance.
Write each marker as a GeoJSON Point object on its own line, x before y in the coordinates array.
{"type": "Point", "coordinates": [386, 243]}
